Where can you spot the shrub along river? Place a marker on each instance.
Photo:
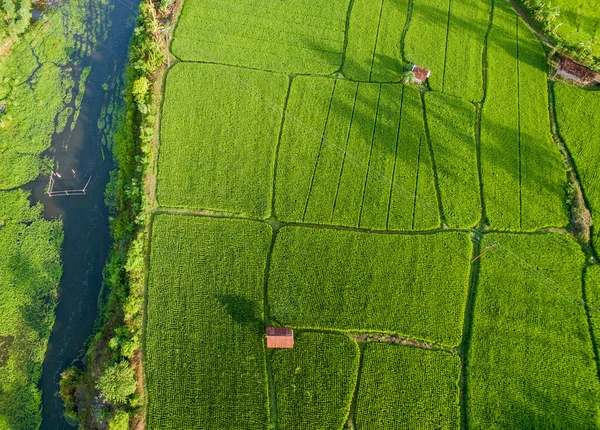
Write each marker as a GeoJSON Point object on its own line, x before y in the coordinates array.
{"type": "Point", "coordinates": [81, 153]}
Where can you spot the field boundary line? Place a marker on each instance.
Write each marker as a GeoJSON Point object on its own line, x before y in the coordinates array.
{"type": "Point", "coordinates": [346, 36]}
{"type": "Point", "coordinates": [379, 336]}
{"type": "Point", "coordinates": [579, 208]}
{"type": "Point", "coordinates": [468, 319]}
{"type": "Point", "coordinates": [515, 257]}
{"type": "Point", "coordinates": [276, 161]}
{"type": "Point", "coordinates": [351, 419]}
{"type": "Point", "coordinates": [414, 208]}
{"type": "Point", "coordinates": [271, 389]}
{"type": "Point", "coordinates": [479, 112]}
{"type": "Point", "coordinates": [387, 221]}
{"type": "Point", "coordinates": [519, 125]}
{"type": "Point", "coordinates": [405, 30]}
{"type": "Point", "coordinates": [345, 152]}
{"type": "Point", "coordinates": [584, 292]}
{"type": "Point", "coordinates": [376, 41]}
{"type": "Point", "coordinates": [312, 179]}
{"type": "Point", "coordinates": [364, 193]}
{"type": "Point", "coordinates": [446, 48]}
{"type": "Point", "coordinates": [436, 182]}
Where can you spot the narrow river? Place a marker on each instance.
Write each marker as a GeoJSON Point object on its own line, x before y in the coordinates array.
{"type": "Point", "coordinates": [80, 154]}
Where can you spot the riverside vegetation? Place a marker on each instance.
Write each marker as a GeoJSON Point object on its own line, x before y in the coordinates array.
{"type": "Point", "coordinates": [41, 86]}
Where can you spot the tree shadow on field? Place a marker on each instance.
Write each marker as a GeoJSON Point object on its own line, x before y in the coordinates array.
{"type": "Point", "coordinates": [532, 408]}
{"type": "Point", "coordinates": [243, 311]}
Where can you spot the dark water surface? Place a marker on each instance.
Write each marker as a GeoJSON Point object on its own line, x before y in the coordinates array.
{"type": "Point", "coordinates": [85, 218]}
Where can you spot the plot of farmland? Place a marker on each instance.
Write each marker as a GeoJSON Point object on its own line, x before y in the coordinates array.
{"type": "Point", "coordinates": [447, 37]}
{"type": "Point", "coordinates": [414, 285]}
{"type": "Point", "coordinates": [304, 36]}
{"type": "Point", "coordinates": [531, 360]}
{"type": "Point", "coordinates": [408, 388]}
{"type": "Point", "coordinates": [452, 131]}
{"type": "Point", "coordinates": [217, 146]}
{"type": "Point", "coordinates": [205, 360]}
{"type": "Point", "coordinates": [315, 381]}
{"type": "Point", "coordinates": [357, 157]}
{"type": "Point", "coordinates": [524, 182]}
{"type": "Point", "coordinates": [374, 40]}
{"type": "Point", "coordinates": [577, 117]}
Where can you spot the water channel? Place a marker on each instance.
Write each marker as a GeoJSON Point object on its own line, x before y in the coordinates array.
{"type": "Point", "coordinates": [80, 153]}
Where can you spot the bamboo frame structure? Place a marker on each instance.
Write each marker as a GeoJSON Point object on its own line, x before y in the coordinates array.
{"type": "Point", "coordinates": [51, 192]}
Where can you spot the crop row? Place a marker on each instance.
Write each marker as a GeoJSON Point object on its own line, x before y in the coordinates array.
{"type": "Point", "coordinates": [357, 157]}
{"type": "Point", "coordinates": [301, 36]}
{"type": "Point", "coordinates": [448, 38]}
{"type": "Point", "coordinates": [577, 116]}
{"type": "Point", "coordinates": [374, 37]}
{"type": "Point", "coordinates": [524, 180]}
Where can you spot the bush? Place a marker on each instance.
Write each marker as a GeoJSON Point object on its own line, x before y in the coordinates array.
{"type": "Point", "coordinates": [117, 382]}
{"type": "Point", "coordinates": [119, 422]}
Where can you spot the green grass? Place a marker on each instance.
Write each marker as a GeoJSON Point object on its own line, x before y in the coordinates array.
{"type": "Point", "coordinates": [447, 37]}
{"type": "Point", "coordinates": [451, 124]}
{"type": "Point", "coordinates": [577, 118]}
{"type": "Point", "coordinates": [531, 363]}
{"type": "Point", "coordinates": [305, 36]}
{"type": "Point", "coordinates": [314, 382]}
{"type": "Point", "coordinates": [205, 360]}
{"type": "Point", "coordinates": [358, 157]}
{"type": "Point", "coordinates": [30, 270]}
{"type": "Point", "coordinates": [226, 136]}
{"type": "Point", "coordinates": [407, 388]}
{"type": "Point", "coordinates": [412, 285]}
{"type": "Point", "coordinates": [374, 35]}
{"type": "Point", "coordinates": [592, 296]}
{"type": "Point", "coordinates": [579, 22]}
{"type": "Point", "coordinates": [524, 181]}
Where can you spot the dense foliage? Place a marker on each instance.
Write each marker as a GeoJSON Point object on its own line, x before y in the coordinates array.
{"type": "Point", "coordinates": [574, 24]}
{"type": "Point", "coordinates": [15, 18]}
{"type": "Point", "coordinates": [315, 381]}
{"type": "Point", "coordinates": [408, 388]}
{"type": "Point", "coordinates": [30, 270]}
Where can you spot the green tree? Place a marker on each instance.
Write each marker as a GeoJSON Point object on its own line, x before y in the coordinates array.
{"type": "Point", "coordinates": [119, 422]}
{"type": "Point", "coordinates": [117, 382]}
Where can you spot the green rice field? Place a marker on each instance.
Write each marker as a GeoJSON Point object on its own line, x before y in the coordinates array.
{"type": "Point", "coordinates": [415, 237]}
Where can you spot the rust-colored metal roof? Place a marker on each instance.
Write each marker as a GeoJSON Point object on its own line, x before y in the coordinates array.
{"type": "Point", "coordinates": [280, 337]}
{"type": "Point", "coordinates": [571, 67]}
{"type": "Point", "coordinates": [421, 73]}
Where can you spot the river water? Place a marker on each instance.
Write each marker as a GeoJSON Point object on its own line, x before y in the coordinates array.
{"type": "Point", "coordinates": [80, 153]}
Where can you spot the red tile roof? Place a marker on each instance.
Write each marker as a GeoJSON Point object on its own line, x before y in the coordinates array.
{"type": "Point", "coordinates": [583, 73]}
{"type": "Point", "coordinates": [280, 337]}
{"type": "Point", "coordinates": [421, 73]}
